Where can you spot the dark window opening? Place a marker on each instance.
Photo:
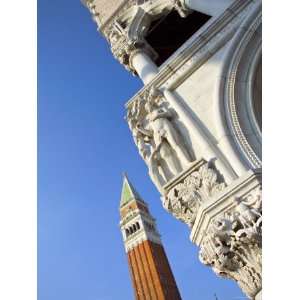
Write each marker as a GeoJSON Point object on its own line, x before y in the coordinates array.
{"type": "Point", "coordinates": [134, 228]}
{"type": "Point", "coordinates": [170, 32]}
{"type": "Point", "coordinates": [137, 226]}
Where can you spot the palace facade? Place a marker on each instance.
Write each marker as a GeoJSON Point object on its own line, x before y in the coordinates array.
{"type": "Point", "coordinates": [197, 121]}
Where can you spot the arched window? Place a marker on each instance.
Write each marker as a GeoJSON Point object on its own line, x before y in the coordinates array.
{"type": "Point", "coordinates": [131, 230]}
{"type": "Point", "coordinates": [134, 228]}
{"type": "Point", "coordinates": [127, 232]}
{"type": "Point", "coordinates": [138, 225]}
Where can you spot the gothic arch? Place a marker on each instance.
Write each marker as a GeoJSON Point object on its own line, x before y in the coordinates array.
{"type": "Point", "coordinates": [239, 92]}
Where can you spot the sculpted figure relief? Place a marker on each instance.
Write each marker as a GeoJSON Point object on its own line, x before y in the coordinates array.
{"type": "Point", "coordinates": [157, 138]}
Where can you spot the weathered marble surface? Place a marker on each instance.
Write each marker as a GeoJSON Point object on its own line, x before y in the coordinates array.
{"type": "Point", "coordinates": [104, 8]}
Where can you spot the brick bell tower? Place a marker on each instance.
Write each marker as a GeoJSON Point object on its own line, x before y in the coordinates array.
{"type": "Point", "coordinates": [150, 271]}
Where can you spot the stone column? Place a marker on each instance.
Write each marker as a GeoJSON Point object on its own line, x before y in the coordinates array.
{"type": "Point", "coordinates": [143, 65]}
{"type": "Point", "coordinates": [208, 7]}
{"type": "Point", "coordinates": [209, 150]}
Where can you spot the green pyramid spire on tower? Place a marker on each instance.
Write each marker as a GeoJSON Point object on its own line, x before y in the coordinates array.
{"type": "Point", "coordinates": [128, 192]}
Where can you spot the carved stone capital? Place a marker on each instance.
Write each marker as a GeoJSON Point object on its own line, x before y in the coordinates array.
{"type": "Point", "coordinates": [187, 193]}
{"type": "Point", "coordinates": [127, 40]}
{"type": "Point", "coordinates": [122, 46]}
{"type": "Point", "coordinates": [124, 49]}
{"type": "Point", "coordinates": [232, 243]}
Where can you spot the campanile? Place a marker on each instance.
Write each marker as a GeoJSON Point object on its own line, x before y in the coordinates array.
{"type": "Point", "coordinates": [150, 271]}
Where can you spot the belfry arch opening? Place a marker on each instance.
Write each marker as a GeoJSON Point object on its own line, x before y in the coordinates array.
{"type": "Point", "coordinates": [134, 228]}
{"type": "Point", "coordinates": [171, 31]}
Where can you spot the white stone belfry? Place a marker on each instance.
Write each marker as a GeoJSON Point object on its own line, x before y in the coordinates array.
{"type": "Point", "coordinates": [197, 120]}
{"type": "Point", "coordinates": [137, 225]}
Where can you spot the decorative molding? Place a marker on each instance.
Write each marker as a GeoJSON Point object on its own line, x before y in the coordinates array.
{"type": "Point", "coordinates": [233, 96]}
{"type": "Point", "coordinates": [232, 243]}
{"type": "Point", "coordinates": [184, 197]}
{"type": "Point", "coordinates": [255, 70]}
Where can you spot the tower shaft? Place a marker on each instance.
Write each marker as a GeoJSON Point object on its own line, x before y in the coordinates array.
{"type": "Point", "coordinates": [151, 273]}
{"type": "Point", "coordinates": [149, 267]}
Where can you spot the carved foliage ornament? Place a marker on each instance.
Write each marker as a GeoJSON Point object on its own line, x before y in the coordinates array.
{"type": "Point", "coordinates": [184, 200]}
{"type": "Point", "coordinates": [126, 39]}
{"type": "Point", "coordinates": [232, 244]}
{"type": "Point", "coordinates": [122, 45]}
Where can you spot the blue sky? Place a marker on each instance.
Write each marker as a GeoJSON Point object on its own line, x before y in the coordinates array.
{"type": "Point", "coordinates": [84, 145]}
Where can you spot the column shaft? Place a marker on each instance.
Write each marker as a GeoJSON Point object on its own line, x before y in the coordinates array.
{"type": "Point", "coordinates": [144, 66]}
{"type": "Point", "coordinates": [209, 150]}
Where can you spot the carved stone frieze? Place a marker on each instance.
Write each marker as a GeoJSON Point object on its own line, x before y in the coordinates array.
{"type": "Point", "coordinates": [244, 50]}
{"type": "Point", "coordinates": [232, 243]}
{"type": "Point", "coordinates": [184, 199]}
{"type": "Point", "coordinates": [157, 136]}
